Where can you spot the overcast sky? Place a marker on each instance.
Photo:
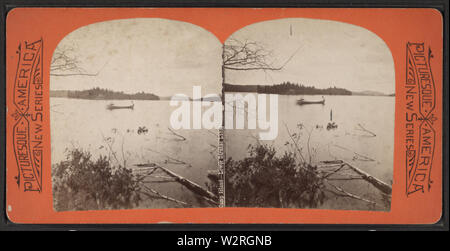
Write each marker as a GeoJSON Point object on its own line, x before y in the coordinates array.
{"type": "Point", "coordinates": [166, 57]}
{"type": "Point", "coordinates": [160, 56]}
{"type": "Point", "coordinates": [331, 54]}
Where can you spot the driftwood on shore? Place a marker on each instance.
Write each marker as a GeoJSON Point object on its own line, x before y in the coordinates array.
{"type": "Point", "coordinates": [192, 186]}
{"type": "Point", "coordinates": [335, 167]}
{"type": "Point", "coordinates": [329, 169]}
{"type": "Point", "coordinates": [385, 188]}
{"type": "Point", "coordinates": [372, 180]}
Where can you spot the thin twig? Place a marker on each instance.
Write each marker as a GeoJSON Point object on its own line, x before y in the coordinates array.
{"type": "Point", "coordinates": [367, 131]}
{"type": "Point", "coordinates": [355, 153]}
{"type": "Point", "coordinates": [170, 160]}
{"type": "Point", "coordinates": [111, 151]}
{"type": "Point", "coordinates": [335, 171]}
{"type": "Point", "coordinates": [123, 154]}
{"type": "Point", "coordinates": [166, 197]}
{"type": "Point", "coordinates": [349, 178]}
{"type": "Point", "coordinates": [295, 143]}
{"type": "Point", "coordinates": [353, 196]}
{"type": "Point", "coordinates": [176, 134]}
{"type": "Point", "coordinates": [309, 137]}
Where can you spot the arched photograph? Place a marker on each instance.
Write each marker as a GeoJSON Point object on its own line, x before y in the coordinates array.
{"type": "Point", "coordinates": [309, 116]}
{"type": "Point", "coordinates": [118, 91]}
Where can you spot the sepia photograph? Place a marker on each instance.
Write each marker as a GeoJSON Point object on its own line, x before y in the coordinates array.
{"type": "Point", "coordinates": [309, 116]}
{"type": "Point", "coordinates": [225, 117]}
{"type": "Point", "coordinates": [136, 107]}
{"type": "Point", "coordinates": [126, 98]}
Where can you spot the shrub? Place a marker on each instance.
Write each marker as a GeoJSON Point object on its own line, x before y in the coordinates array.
{"type": "Point", "coordinates": [80, 183]}
{"type": "Point", "coordinates": [264, 180]}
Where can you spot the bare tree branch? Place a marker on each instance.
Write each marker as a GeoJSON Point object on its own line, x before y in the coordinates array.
{"type": "Point", "coordinates": [249, 55]}
{"type": "Point", "coordinates": [63, 64]}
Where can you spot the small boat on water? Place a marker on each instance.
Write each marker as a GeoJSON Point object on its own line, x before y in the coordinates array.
{"type": "Point", "coordinates": [113, 107]}
{"type": "Point", "coordinates": [306, 102]}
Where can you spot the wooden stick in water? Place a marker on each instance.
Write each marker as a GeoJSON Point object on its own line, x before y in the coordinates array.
{"type": "Point", "coordinates": [192, 186]}
{"type": "Point", "coordinates": [380, 185]}
{"type": "Point", "coordinates": [372, 180]}
{"type": "Point", "coordinates": [367, 131]}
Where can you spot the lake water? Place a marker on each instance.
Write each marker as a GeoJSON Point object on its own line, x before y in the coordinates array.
{"type": "Point", "coordinates": [349, 141]}
{"type": "Point", "coordinates": [89, 125]}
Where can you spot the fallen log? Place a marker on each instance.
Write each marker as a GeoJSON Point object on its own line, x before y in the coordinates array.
{"type": "Point", "coordinates": [380, 185]}
{"type": "Point", "coordinates": [192, 186]}
{"type": "Point", "coordinates": [372, 180]}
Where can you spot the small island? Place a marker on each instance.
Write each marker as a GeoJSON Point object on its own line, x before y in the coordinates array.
{"type": "Point", "coordinates": [103, 94]}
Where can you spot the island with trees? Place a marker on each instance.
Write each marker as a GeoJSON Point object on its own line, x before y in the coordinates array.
{"type": "Point", "coordinates": [287, 88]}
{"type": "Point", "coordinates": [103, 94]}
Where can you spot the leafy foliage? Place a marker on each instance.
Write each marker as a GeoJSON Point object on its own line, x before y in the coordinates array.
{"type": "Point", "coordinates": [81, 183]}
{"type": "Point", "coordinates": [264, 180]}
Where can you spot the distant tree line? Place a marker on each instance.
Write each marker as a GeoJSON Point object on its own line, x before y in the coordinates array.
{"type": "Point", "coordinates": [100, 93]}
{"type": "Point", "coordinates": [287, 88]}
